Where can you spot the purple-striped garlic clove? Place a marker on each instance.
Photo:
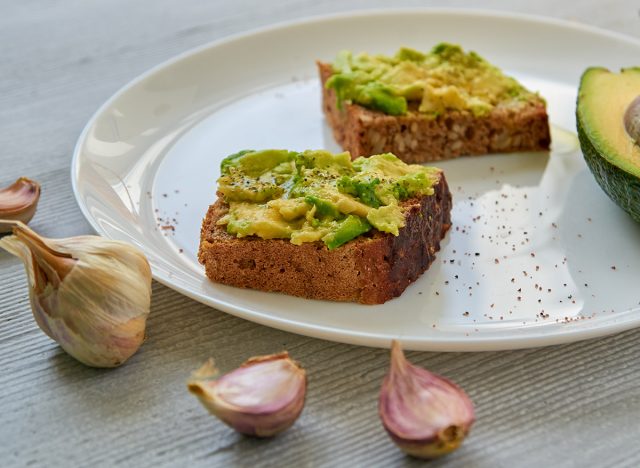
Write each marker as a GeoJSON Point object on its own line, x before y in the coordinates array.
{"type": "Point", "coordinates": [426, 415]}
{"type": "Point", "coordinates": [261, 398]}
{"type": "Point", "coordinates": [18, 202]}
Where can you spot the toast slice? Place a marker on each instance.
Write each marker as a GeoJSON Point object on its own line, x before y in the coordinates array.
{"type": "Point", "coordinates": [416, 138]}
{"type": "Point", "coordinates": [370, 269]}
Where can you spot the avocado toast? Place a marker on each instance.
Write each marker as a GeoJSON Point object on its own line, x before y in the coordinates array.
{"type": "Point", "coordinates": [429, 106]}
{"type": "Point", "coordinates": [320, 226]}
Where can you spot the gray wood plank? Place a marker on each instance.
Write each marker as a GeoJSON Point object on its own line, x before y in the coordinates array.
{"type": "Point", "coordinates": [570, 405]}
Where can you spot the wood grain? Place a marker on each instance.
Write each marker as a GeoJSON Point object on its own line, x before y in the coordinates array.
{"type": "Point", "coordinates": [571, 405]}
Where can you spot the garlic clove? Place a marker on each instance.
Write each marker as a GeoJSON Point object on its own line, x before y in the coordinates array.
{"type": "Point", "coordinates": [91, 295]}
{"type": "Point", "coordinates": [262, 398]}
{"type": "Point", "coordinates": [425, 415]}
{"type": "Point", "coordinates": [18, 202]}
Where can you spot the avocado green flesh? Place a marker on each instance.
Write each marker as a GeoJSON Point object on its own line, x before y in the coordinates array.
{"type": "Point", "coordinates": [349, 228]}
{"type": "Point", "coordinates": [611, 154]}
{"type": "Point", "coordinates": [444, 78]}
{"type": "Point", "coordinates": [316, 195]}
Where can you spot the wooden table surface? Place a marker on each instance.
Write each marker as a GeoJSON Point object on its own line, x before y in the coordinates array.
{"type": "Point", "coordinates": [571, 405]}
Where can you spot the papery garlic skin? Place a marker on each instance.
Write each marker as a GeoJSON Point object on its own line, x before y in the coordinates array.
{"type": "Point", "coordinates": [91, 295]}
{"type": "Point", "coordinates": [261, 398]}
{"type": "Point", "coordinates": [426, 415]}
{"type": "Point", "coordinates": [18, 202]}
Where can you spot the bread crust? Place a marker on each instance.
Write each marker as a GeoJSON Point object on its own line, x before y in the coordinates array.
{"type": "Point", "coordinates": [370, 269]}
{"type": "Point", "coordinates": [416, 138]}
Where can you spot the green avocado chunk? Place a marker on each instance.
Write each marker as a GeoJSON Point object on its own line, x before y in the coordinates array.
{"type": "Point", "coordinates": [605, 117]}
{"type": "Point", "coordinates": [348, 229]}
{"type": "Point", "coordinates": [317, 195]}
{"type": "Point", "coordinates": [364, 190]}
{"type": "Point", "coordinates": [323, 207]}
{"type": "Point", "coordinates": [445, 78]}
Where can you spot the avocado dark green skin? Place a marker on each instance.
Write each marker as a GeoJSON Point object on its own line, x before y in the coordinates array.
{"type": "Point", "coordinates": [622, 187]}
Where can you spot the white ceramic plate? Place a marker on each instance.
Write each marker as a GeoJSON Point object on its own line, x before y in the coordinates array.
{"type": "Point", "coordinates": [538, 254]}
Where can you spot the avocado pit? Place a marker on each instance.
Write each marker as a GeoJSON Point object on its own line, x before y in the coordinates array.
{"type": "Point", "coordinates": [632, 120]}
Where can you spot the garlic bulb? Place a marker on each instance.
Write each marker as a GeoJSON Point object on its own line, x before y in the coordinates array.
{"type": "Point", "coordinates": [18, 202]}
{"type": "Point", "coordinates": [426, 415]}
{"type": "Point", "coordinates": [91, 295]}
{"type": "Point", "coordinates": [262, 398]}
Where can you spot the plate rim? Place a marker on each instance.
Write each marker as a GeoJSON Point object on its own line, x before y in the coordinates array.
{"type": "Point", "coordinates": [470, 343]}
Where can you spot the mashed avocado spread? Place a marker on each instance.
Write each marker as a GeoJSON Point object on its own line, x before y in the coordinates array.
{"type": "Point", "coordinates": [445, 78]}
{"type": "Point", "coordinates": [317, 195]}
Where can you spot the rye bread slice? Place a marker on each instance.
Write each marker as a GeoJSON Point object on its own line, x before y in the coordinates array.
{"type": "Point", "coordinates": [416, 138]}
{"type": "Point", "coordinates": [370, 269]}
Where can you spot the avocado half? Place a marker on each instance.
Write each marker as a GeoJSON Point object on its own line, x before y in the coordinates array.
{"type": "Point", "coordinates": [608, 133]}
